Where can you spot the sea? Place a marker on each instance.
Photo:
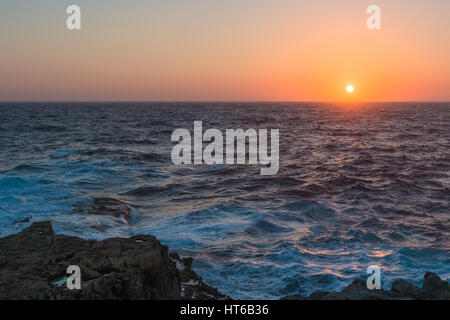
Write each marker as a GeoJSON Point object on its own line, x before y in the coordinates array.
{"type": "Point", "coordinates": [358, 185]}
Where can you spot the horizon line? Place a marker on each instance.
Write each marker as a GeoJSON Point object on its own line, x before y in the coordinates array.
{"type": "Point", "coordinates": [222, 101]}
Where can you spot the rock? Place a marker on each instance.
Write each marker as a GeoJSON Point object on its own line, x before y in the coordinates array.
{"type": "Point", "coordinates": [294, 297]}
{"type": "Point", "coordinates": [318, 295]}
{"type": "Point", "coordinates": [192, 286]}
{"type": "Point", "coordinates": [107, 206]}
{"type": "Point", "coordinates": [433, 288]}
{"type": "Point", "coordinates": [33, 265]}
{"type": "Point", "coordinates": [356, 291]}
{"type": "Point", "coordinates": [23, 220]}
{"type": "Point", "coordinates": [406, 289]}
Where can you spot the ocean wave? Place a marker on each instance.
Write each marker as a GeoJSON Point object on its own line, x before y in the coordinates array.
{"type": "Point", "coordinates": [60, 154]}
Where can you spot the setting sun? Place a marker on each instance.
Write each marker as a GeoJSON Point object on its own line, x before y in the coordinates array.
{"type": "Point", "coordinates": [350, 89]}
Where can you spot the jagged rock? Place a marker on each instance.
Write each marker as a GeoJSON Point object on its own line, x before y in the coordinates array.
{"type": "Point", "coordinates": [433, 288]}
{"type": "Point", "coordinates": [33, 265]}
{"type": "Point", "coordinates": [406, 289]}
{"type": "Point", "coordinates": [356, 291]}
{"type": "Point", "coordinates": [192, 286]}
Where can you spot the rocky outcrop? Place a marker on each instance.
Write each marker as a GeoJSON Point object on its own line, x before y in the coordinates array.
{"type": "Point", "coordinates": [434, 288]}
{"type": "Point", "coordinates": [192, 286]}
{"type": "Point", "coordinates": [34, 262]}
{"type": "Point", "coordinates": [107, 206]}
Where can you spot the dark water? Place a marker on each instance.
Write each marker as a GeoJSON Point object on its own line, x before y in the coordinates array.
{"type": "Point", "coordinates": [358, 185]}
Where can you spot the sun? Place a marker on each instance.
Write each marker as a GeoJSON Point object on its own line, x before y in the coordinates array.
{"type": "Point", "coordinates": [350, 88]}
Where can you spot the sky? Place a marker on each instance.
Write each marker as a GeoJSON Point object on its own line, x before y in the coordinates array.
{"type": "Point", "coordinates": [227, 50]}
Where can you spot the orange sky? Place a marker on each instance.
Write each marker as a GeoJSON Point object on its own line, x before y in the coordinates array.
{"type": "Point", "coordinates": [225, 50]}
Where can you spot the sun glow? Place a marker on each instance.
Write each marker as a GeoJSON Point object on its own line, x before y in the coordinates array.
{"type": "Point", "coordinates": [350, 88]}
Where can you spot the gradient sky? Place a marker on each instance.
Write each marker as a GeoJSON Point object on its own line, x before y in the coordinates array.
{"type": "Point", "coordinates": [277, 50]}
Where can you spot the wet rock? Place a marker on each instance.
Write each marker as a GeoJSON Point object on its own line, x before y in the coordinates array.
{"type": "Point", "coordinates": [355, 291]}
{"type": "Point", "coordinates": [33, 265]}
{"type": "Point", "coordinates": [434, 288]}
{"type": "Point", "coordinates": [406, 289]}
{"type": "Point", "coordinates": [192, 286]}
{"type": "Point", "coordinates": [358, 291]}
{"type": "Point", "coordinates": [23, 220]}
{"type": "Point", "coordinates": [107, 206]}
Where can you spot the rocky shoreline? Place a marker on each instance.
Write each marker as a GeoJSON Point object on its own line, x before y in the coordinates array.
{"type": "Point", "coordinates": [33, 265]}
{"type": "Point", "coordinates": [434, 288]}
